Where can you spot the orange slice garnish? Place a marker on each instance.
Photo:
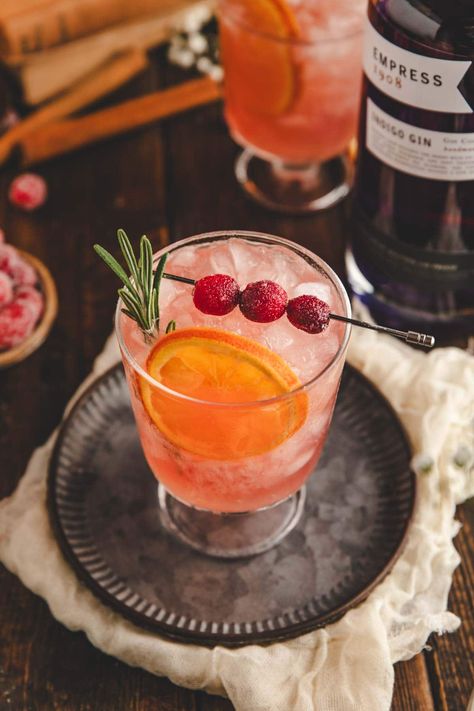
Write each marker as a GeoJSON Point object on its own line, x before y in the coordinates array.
{"type": "Point", "coordinates": [257, 60]}
{"type": "Point", "coordinates": [221, 367]}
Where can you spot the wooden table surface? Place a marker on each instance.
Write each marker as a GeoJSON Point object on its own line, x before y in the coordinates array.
{"type": "Point", "coordinates": [171, 180]}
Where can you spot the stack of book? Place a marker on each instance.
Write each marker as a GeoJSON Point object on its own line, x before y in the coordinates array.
{"type": "Point", "coordinates": [52, 44]}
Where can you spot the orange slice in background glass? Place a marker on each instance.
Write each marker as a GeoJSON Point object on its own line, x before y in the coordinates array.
{"type": "Point", "coordinates": [256, 57]}
{"type": "Point", "coordinates": [221, 367]}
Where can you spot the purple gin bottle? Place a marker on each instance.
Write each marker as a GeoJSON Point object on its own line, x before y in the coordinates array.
{"type": "Point", "coordinates": [412, 257]}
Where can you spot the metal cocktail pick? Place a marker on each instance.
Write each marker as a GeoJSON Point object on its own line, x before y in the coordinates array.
{"type": "Point", "coordinates": [413, 337]}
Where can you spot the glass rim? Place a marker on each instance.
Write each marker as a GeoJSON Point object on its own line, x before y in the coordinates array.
{"type": "Point", "coordinates": [265, 238]}
{"type": "Point", "coordinates": [289, 41]}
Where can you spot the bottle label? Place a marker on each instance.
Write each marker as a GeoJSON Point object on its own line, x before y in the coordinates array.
{"type": "Point", "coordinates": [418, 151]}
{"type": "Point", "coordinates": [414, 79]}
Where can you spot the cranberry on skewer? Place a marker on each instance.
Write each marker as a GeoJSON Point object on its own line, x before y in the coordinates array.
{"type": "Point", "coordinates": [263, 301]}
{"type": "Point", "coordinates": [217, 294]}
{"type": "Point", "coordinates": [306, 312]}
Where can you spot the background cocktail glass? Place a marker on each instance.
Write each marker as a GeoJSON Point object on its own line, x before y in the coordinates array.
{"type": "Point", "coordinates": [242, 504]}
{"type": "Point", "coordinates": [292, 97]}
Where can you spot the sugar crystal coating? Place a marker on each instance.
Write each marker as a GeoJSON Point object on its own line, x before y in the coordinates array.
{"type": "Point", "coordinates": [16, 324]}
{"type": "Point", "coordinates": [15, 266]}
{"type": "Point", "coordinates": [308, 313]}
{"type": "Point", "coordinates": [32, 299]}
{"type": "Point", "coordinates": [216, 294]}
{"type": "Point", "coordinates": [6, 289]}
{"type": "Point", "coordinates": [9, 258]}
{"type": "Point", "coordinates": [263, 301]}
{"type": "Point", "coordinates": [24, 274]}
{"type": "Point", "coordinates": [28, 191]}
{"type": "Point", "coordinates": [21, 304]}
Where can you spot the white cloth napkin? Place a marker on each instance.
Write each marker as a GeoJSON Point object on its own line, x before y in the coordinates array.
{"type": "Point", "coordinates": [348, 665]}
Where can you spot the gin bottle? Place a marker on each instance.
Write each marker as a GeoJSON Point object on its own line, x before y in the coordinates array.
{"type": "Point", "coordinates": [412, 258]}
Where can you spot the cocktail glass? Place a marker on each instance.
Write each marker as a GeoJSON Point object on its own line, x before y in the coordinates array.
{"type": "Point", "coordinates": [231, 474]}
{"type": "Point", "coordinates": [293, 71]}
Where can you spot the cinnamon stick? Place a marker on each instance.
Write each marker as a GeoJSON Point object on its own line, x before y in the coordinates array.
{"type": "Point", "coordinates": [69, 135]}
{"type": "Point", "coordinates": [112, 75]}
{"type": "Point", "coordinates": [9, 8]}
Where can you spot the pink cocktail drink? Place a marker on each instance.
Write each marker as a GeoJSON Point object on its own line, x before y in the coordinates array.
{"type": "Point", "coordinates": [293, 71]}
{"type": "Point", "coordinates": [216, 458]}
{"type": "Point", "coordinates": [317, 116]}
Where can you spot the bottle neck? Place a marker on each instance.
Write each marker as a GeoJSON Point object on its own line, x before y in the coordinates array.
{"type": "Point", "coordinates": [445, 23]}
{"type": "Point", "coordinates": [456, 20]}
{"type": "Point", "coordinates": [447, 9]}
{"type": "Point", "coordinates": [437, 10]}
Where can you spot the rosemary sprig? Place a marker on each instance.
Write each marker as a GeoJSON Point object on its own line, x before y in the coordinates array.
{"type": "Point", "coordinates": [140, 292]}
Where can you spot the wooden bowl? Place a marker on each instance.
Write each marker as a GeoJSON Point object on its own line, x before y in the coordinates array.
{"type": "Point", "coordinates": [43, 327]}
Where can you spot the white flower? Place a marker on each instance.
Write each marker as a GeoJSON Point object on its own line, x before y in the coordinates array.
{"type": "Point", "coordinates": [422, 463]}
{"type": "Point", "coordinates": [204, 65]}
{"type": "Point", "coordinates": [197, 42]}
{"type": "Point", "coordinates": [181, 56]}
{"type": "Point", "coordinates": [463, 457]}
{"type": "Point", "coordinates": [216, 73]}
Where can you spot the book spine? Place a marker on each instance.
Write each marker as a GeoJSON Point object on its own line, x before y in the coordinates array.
{"type": "Point", "coordinates": [56, 23]}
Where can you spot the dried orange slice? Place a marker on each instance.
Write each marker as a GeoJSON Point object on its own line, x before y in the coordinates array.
{"type": "Point", "coordinates": [259, 69]}
{"type": "Point", "coordinates": [221, 367]}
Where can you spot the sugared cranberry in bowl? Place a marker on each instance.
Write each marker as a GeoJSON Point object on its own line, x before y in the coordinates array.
{"type": "Point", "coordinates": [6, 289]}
{"type": "Point", "coordinates": [28, 304]}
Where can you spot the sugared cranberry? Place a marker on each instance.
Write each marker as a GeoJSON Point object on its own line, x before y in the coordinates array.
{"type": "Point", "coordinates": [28, 191]}
{"type": "Point", "coordinates": [217, 294]}
{"type": "Point", "coordinates": [17, 268]}
{"type": "Point", "coordinates": [6, 289]}
{"type": "Point", "coordinates": [24, 274]}
{"type": "Point", "coordinates": [263, 301]}
{"type": "Point", "coordinates": [16, 324]}
{"type": "Point", "coordinates": [308, 313]}
{"type": "Point", "coordinates": [32, 299]}
{"type": "Point", "coordinates": [9, 258]}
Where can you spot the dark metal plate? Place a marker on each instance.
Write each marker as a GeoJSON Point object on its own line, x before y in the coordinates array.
{"type": "Point", "coordinates": [103, 507]}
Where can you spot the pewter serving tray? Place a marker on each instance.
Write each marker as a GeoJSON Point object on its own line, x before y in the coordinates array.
{"type": "Point", "coordinates": [103, 507]}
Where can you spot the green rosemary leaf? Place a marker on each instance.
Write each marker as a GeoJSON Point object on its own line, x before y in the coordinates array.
{"type": "Point", "coordinates": [146, 267]}
{"type": "Point", "coordinates": [130, 300]}
{"type": "Point", "coordinates": [171, 326]}
{"type": "Point", "coordinates": [131, 306]}
{"type": "Point", "coordinates": [160, 268]}
{"type": "Point", "coordinates": [114, 265]}
{"type": "Point", "coordinates": [128, 254]}
{"type": "Point", "coordinates": [151, 310]}
{"type": "Point", "coordinates": [140, 293]}
{"type": "Point", "coordinates": [134, 298]}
